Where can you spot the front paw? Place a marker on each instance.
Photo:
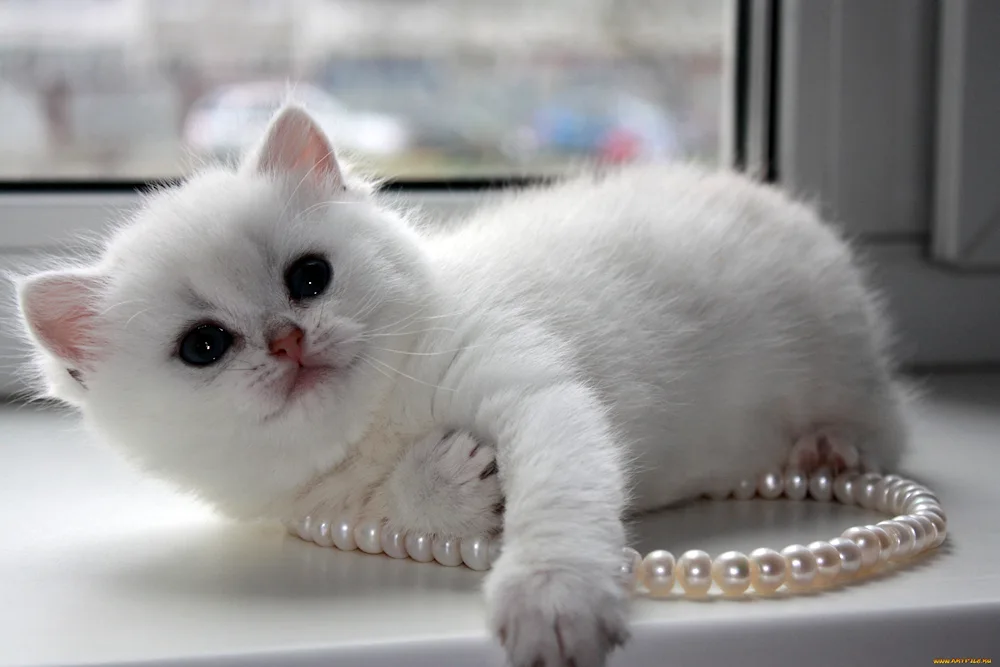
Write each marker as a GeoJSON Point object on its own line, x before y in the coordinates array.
{"type": "Point", "coordinates": [556, 616]}
{"type": "Point", "coordinates": [447, 484]}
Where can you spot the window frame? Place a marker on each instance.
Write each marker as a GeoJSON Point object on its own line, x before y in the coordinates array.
{"type": "Point", "coordinates": [871, 167]}
{"type": "Point", "coordinates": [966, 216]}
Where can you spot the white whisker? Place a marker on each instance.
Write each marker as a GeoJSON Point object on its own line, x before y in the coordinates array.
{"type": "Point", "coordinates": [427, 354]}
{"type": "Point", "coordinates": [120, 303]}
{"type": "Point", "coordinates": [375, 368]}
{"type": "Point", "coordinates": [402, 374]}
{"type": "Point", "coordinates": [410, 333]}
{"type": "Point", "coordinates": [137, 314]}
{"type": "Point", "coordinates": [400, 321]}
{"type": "Point", "coordinates": [416, 320]}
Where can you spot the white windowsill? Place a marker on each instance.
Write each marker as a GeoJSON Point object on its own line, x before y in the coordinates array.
{"type": "Point", "coordinates": [100, 566]}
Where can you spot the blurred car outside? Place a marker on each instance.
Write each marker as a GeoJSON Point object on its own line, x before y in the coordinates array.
{"type": "Point", "coordinates": [228, 120]}
{"type": "Point", "coordinates": [610, 126]}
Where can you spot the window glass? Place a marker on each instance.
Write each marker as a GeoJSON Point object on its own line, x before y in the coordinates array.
{"type": "Point", "coordinates": [143, 89]}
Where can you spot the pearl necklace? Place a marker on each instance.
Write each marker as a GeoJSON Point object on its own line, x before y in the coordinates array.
{"type": "Point", "coordinates": [919, 524]}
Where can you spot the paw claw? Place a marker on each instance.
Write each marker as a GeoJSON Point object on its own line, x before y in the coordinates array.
{"type": "Point", "coordinates": [490, 470]}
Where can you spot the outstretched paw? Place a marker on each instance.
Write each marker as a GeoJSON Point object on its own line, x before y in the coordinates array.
{"type": "Point", "coordinates": [447, 483]}
{"type": "Point", "coordinates": [557, 617]}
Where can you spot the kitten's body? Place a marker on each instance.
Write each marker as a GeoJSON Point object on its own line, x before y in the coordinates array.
{"type": "Point", "coordinates": [664, 328]}
{"type": "Point", "coordinates": [718, 320]}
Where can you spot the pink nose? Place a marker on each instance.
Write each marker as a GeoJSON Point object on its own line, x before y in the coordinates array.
{"type": "Point", "coordinates": [288, 343]}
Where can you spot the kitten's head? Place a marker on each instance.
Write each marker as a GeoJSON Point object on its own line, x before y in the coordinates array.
{"type": "Point", "coordinates": [237, 335]}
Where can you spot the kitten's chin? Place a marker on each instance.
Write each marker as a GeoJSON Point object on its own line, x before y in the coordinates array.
{"type": "Point", "coordinates": [305, 385]}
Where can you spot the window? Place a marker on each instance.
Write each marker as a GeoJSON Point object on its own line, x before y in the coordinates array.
{"type": "Point", "coordinates": [131, 90]}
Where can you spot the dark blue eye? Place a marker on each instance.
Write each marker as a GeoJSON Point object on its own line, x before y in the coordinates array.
{"type": "Point", "coordinates": [204, 345]}
{"type": "Point", "coordinates": [308, 277]}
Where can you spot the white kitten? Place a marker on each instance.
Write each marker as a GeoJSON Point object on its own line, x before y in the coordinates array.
{"type": "Point", "coordinates": [274, 339]}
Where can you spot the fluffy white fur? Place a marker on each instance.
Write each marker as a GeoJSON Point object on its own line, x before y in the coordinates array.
{"type": "Point", "coordinates": [625, 341]}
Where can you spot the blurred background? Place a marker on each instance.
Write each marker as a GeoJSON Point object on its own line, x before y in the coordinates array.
{"type": "Point", "coordinates": [131, 90]}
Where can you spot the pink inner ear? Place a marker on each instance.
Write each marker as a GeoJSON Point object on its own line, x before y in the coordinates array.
{"type": "Point", "coordinates": [58, 309]}
{"type": "Point", "coordinates": [295, 144]}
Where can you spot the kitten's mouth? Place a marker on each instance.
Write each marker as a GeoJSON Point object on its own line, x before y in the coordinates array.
{"type": "Point", "coordinates": [308, 376]}
{"type": "Point", "coordinates": [305, 378]}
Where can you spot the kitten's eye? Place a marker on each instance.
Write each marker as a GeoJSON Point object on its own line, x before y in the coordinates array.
{"type": "Point", "coordinates": [308, 277]}
{"type": "Point", "coordinates": [205, 344]}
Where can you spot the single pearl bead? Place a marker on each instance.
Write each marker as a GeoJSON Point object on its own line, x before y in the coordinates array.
{"type": "Point", "coordinates": [801, 566]}
{"type": "Point", "coordinates": [893, 496]}
{"type": "Point", "coordinates": [930, 530]}
{"type": "Point", "coordinates": [304, 529]}
{"type": "Point", "coordinates": [342, 534]}
{"type": "Point", "coordinates": [902, 492]}
{"type": "Point", "coordinates": [843, 487]}
{"type": "Point", "coordinates": [447, 551]}
{"type": "Point", "coordinates": [419, 547]}
{"type": "Point", "coordinates": [496, 548]}
{"type": "Point", "coordinates": [928, 504]}
{"type": "Point", "coordinates": [767, 570]}
{"type": "Point", "coordinates": [321, 533]}
{"type": "Point", "coordinates": [745, 489]}
{"type": "Point", "coordinates": [887, 541]}
{"type": "Point", "coordinates": [928, 508]}
{"type": "Point", "coordinates": [393, 542]}
{"type": "Point", "coordinates": [913, 498]}
{"type": "Point", "coordinates": [895, 499]}
{"type": "Point", "coordinates": [368, 536]}
{"type": "Point", "coordinates": [920, 526]}
{"type": "Point", "coordinates": [864, 490]}
{"type": "Point", "coordinates": [910, 506]}
{"type": "Point", "coordinates": [827, 561]}
{"type": "Point", "coordinates": [919, 495]}
{"type": "Point", "coordinates": [821, 485]}
{"type": "Point", "coordinates": [867, 541]}
{"type": "Point", "coordinates": [940, 528]}
{"type": "Point", "coordinates": [906, 537]}
{"type": "Point", "coordinates": [850, 554]}
{"type": "Point", "coordinates": [694, 572]}
{"type": "Point", "coordinates": [919, 534]}
{"type": "Point", "coordinates": [935, 519]}
{"type": "Point", "coordinates": [629, 569]}
{"type": "Point", "coordinates": [476, 553]}
{"type": "Point", "coordinates": [796, 484]}
{"type": "Point", "coordinates": [882, 488]}
{"type": "Point", "coordinates": [657, 573]}
{"type": "Point", "coordinates": [770, 485]}
{"type": "Point", "coordinates": [731, 573]}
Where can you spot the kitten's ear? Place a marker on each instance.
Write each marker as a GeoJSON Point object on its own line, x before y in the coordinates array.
{"type": "Point", "coordinates": [296, 145]}
{"type": "Point", "coordinates": [60, 310]}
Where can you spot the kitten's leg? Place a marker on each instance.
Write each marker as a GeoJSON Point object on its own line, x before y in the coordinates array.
{"type": "Point", "coordinates": [446, 484]}
{"type": "Point", "coordinates": [555, 596]}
